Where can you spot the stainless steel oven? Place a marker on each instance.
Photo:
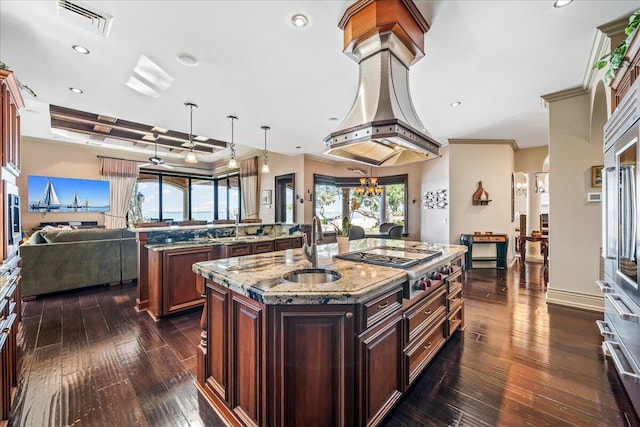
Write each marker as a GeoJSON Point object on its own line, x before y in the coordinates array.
{"type": "Point", "coordinates": [13, 224]}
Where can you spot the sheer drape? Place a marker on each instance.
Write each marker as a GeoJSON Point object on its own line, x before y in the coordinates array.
{"type": "Point", "coordinates": [249, 187]}
{"type": "Point", "coordinates": [122, 176]}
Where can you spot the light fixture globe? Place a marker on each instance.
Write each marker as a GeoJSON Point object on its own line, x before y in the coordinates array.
{"type": "Point", "coordinates": [191, 157]}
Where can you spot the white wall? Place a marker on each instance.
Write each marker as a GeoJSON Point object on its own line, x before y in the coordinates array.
{"type": "Point", "coordinates": [574, 224]}
{"type": "Point", "coordinates": [435, 222]}
{"type": "Point", "coordinates": [492, 164]}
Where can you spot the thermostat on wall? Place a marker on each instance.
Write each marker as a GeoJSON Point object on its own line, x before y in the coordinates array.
{"type": "Point", "coordinates": [594, 197]}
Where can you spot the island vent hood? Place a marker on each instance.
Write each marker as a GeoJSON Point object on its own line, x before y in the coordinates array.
{"type": "Point", "coordinates": [385, 37]}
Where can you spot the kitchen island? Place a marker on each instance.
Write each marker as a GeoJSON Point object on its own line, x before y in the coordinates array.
{"type": "Point", "coordinates": [342, 353]}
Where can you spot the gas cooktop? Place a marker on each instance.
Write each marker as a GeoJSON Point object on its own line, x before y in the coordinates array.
{"type": "Point", "coordinates": [390, 256]}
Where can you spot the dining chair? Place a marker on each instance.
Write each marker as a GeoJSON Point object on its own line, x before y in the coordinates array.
{"type": "Point", "coordinates": [395, 232]}
{"type": "Point", "coordinates": [385, 226]}
{"type": "Point", "coordinates": [356, 232]}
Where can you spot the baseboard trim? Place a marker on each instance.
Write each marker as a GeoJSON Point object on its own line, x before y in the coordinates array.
{"type": "Point", "coordinates": [575, 299]}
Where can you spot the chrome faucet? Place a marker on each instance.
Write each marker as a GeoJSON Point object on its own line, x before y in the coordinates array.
{"type": "Point", "coordinates": [311, 251]}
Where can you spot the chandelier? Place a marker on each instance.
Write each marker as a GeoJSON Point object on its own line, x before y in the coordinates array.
{"type": "Point", "coordinates": [369, 187]}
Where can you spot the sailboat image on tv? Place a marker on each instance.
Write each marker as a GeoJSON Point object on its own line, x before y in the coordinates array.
{"type": "Point", "coordinates": [52, 194]}
{"type": "Point", "coordinates": [49, 200]}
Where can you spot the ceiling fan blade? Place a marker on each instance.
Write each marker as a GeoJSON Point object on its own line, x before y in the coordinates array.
{"type": "Point", "coordinates": [144, 165]}
{"type": "Point", "coordinates": [164, 165]}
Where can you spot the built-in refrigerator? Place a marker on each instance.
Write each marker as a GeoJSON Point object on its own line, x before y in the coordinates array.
{"type": "Point", "coordinates": [620, 327]}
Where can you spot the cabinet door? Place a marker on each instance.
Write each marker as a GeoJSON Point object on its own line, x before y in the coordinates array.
{"type": "Point", "coordinates": [180, 291]}
{"type": "Point", "coordinates": [313, 370]}
{"type": "Point", "coordinates": [10, 130]}
{"type": "Point", "coordinates": [217, 375]}
{"type": "Point", "coordinates": [247, 373]}
{"type": "Point", "coordinates": [380, 374]}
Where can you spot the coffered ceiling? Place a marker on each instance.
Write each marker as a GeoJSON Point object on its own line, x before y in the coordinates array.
{"type": "Point", "coordinates": [495, 57]}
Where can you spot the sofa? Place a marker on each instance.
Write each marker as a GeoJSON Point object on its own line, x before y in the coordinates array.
{"type": "Point", "coordinates": [60, 260]}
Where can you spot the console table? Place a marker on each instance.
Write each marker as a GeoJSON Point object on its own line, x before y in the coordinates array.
{"type": "Point", "coordinates": [501, 241]}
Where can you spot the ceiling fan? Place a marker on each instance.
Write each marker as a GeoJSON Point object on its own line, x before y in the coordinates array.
{"type": "Point", "coordinates": [155, 160]}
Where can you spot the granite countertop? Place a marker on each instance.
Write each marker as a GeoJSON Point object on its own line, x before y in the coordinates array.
{"type": "Point", "coordinates": [206, 241]}
{"type": "Point", "coordinates": [260, 276]}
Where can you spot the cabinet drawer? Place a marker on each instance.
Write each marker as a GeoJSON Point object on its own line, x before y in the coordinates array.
{"type": "Point", "coordinates": [423, 315]}
{"type": "Point", "coordinates": [379, 307]}
{"type": "Point", "coordinates": [455, 320]}
{"type": "Point", "coordinates": [481, 238]}
{"type": "Point", "coordinates": [239, 250]}
{"type": "Point", "coordinates": [262, 247]}
{"type": "Point", "coordinates": [497, 238]}
{"type": "Point", "coordinates": [418, 355]}
{"type": "Point", "coordinates": [455, 296]}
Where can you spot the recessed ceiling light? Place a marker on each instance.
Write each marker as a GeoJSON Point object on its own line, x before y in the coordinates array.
{"type": "Point", "coordinates": [456, 104]}
{"type": "Point", "coordinates": [561, 3]}
{"type": "Point", "coordinates": [80, 49]}
{"type": "Point", "coordinates": [299, 20]}
{"type": "Point", "coordinates": [333, 119]}
{"type": "Point", "coordinates": [75, 90]}
{"type": "Point", "coordinates": [297, 146]}
{"type": "Point", "coordinates": [187, 59]}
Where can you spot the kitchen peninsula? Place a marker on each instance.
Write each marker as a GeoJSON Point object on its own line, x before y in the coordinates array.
{"type": "Point", "coordinates": [166, 284]}
{"type": "Point", "coordinates": [276, 352]}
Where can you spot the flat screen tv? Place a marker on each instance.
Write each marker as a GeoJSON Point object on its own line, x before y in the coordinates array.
{"type": "Point", "coordinates": [54, 194]}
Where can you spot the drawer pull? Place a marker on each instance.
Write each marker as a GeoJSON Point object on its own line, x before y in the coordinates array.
{"type": "Point", "coordinates": [625, 375]}
{"type": "Point", "coordinates": [349, 315]}
{"type": "Point", "coordinates": [605, 287]}
{"type": "Point", "coordinates": [617, 304]}
{"type": "Point", "coordinates": [428, 346]}
{"type": "Point", "coordinates": [383, 305]}
{"type": "Point", "coordinates": [605, 330]}
{"type": "Point", "coordinates": [428, 312]}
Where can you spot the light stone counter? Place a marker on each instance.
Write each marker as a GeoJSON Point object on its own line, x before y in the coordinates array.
{"type": "Point", "coordinates": [260, 276]}
{"type": "Point", "coordinates": [205, 241]}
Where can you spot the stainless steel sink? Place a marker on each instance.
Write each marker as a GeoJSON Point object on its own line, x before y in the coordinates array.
{"type": "Point", "coordinates": [312, 276]}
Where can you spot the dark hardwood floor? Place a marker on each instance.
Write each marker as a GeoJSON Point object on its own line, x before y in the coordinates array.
{"type": "Point", "coordinates": [88, 359]}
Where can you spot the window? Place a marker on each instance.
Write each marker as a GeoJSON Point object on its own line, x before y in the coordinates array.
{"type": "Point", "coordinates": [162, 197]}
{"type": "Point", "coordinates": [334, 198]}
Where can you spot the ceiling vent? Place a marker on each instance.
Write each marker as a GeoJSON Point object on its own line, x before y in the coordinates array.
{"type": "Point", "coordinates": [85, 17]}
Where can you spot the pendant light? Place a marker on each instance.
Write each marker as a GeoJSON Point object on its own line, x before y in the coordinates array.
{"type": "Point", "coordinates": [369, 186]}
{"type": "Point", "coordinates": [232, 160]}
{"type": "Point", "coordinates": [191, 156]}
{"type": "Point", "coordinates": [265, 166]}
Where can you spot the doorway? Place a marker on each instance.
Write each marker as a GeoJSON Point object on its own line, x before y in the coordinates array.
{"type": "Point", "coordinates": [285, 198]}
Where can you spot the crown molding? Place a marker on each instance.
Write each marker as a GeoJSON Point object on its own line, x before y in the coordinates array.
{"type": "Point", "coordinates": [563, 94]}
{"type": "Point", "coordinates": [511, 142]}
{"type": "Point", "coordinates": [600, 47]}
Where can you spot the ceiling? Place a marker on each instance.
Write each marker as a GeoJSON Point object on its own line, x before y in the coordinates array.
{"type": "Point", "coordinates": [497, 58]}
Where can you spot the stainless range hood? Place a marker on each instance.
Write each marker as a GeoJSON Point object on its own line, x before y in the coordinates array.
{"type": "Point", "coordinates": [382, 128]}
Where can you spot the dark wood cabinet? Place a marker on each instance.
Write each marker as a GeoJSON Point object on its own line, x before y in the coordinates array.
{"type": "Point", "coordinates": [262, 247]}
{"type": "Point", "coordinates": [247, 379]}
{"type": "Point", "coordinates": [172, 283]}
{"type": "Point", "coordinates": [12, 102]}
{"type": "Point", "coordinates": [289, 243]}
{"type": "Point", "coordinates": [380, 381]}
{"type": "Point", "coordinates": [313, 365]}
{"type": "Point", "coordinates": [217, 345]}
{"type": "Point", "coordinates": [235, 249]}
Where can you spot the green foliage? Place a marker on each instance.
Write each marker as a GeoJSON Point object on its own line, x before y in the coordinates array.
{"type": "Point", "coordinates": [346, 227]}
{"type": "Point", "coordinates": [24, 87]}
{"type": "Point", "coordinates": [617, 55]}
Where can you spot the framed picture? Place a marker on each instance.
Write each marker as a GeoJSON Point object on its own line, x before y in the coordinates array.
{"type": "Point", "coordinates": [266, 197]}
{"type": "Point", "coordinates": [596, 176]}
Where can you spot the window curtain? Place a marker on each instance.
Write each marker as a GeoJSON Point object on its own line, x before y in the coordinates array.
{"type": "Point", "coordinates": [122, 176]}
{"type": "Point", "coordinates": [249, 187]}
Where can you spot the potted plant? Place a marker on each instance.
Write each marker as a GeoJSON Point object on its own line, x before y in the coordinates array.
{"type": "Point", "coordinates": [342, 234]}
{"type": "Point", "coordinates": [617, 56]}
